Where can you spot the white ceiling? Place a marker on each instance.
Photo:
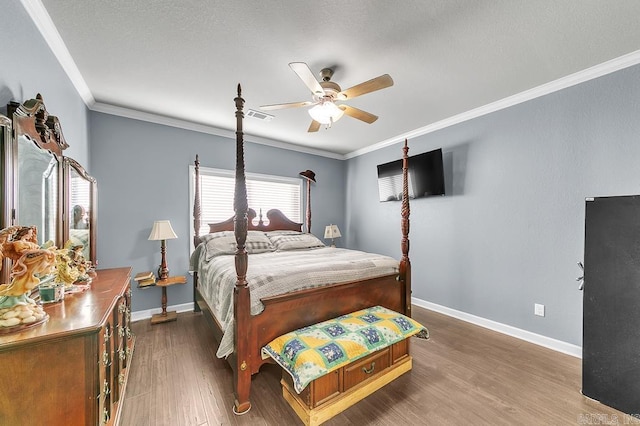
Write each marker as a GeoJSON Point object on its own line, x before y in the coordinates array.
{"type": "Point", "coordinates": [449, 59]}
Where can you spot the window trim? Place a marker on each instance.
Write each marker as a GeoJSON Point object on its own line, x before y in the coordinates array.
{"type": "Point", "coordinates": [249, 176]}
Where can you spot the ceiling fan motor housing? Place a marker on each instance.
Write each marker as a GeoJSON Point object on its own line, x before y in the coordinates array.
{"type": "Point", "coordinates": [326, 74]}
{"type": "Point", "coordinates": [331, 89]}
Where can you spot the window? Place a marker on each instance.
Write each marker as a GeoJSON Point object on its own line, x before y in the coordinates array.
{"type": "Point", "coordinates": [264, 192]}
{"type": "Point", "coordinates": [79, 203]}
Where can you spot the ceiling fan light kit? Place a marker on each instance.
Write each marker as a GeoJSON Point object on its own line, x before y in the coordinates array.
{"type": "Point", "coordinates": [325, 94]}
{"type": "Point", "coordinates": [326, 112]}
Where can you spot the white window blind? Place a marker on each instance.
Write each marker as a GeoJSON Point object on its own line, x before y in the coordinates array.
{"type": "Point", "coordinates": [264, 192]}
{"type": "Point", "coordinates": [80, 193]}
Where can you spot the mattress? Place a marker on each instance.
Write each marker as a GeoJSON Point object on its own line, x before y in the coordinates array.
{"type": "Point", "coordinates": [279, 272]}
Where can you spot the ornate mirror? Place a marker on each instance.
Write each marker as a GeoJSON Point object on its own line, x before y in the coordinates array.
{"type": "Point", "coordinates": [6, 186]}
{"type": "Point", "coordinates": [80, 208]}
{"type": "Point", "coordinates": [37, 149]}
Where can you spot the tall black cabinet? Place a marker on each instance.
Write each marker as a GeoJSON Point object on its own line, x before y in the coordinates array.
{"type": "Point", "coordinates": [611, 304]}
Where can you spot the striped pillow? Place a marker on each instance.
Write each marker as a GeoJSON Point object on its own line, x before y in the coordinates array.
{"type": "Point", "coordinates": [294, 241]}
{"type": "Point", "coordinates": [224, 243]}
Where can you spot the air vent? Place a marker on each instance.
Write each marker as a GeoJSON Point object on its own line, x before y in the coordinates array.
{"type": "Point", "coordinates": [259, 115]}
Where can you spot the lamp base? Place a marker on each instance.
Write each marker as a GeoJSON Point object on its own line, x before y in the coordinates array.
{"type": "Point", "coordinates": [163, 273]}
{"type": "Point", "coordinates": [160, 318]}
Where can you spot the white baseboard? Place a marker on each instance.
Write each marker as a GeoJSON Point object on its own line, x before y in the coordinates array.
{"type": "Point", "coordinates": [547, 342]}
{"type": "Point", "coordinates": [143, 315]}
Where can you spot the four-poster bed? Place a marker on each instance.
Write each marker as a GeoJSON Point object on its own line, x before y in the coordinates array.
{"type": "Point", "coordinates": [281, 313]}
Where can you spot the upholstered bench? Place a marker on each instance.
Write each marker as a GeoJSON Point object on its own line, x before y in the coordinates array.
{"type": "Point", "coordinates": [329, 366]}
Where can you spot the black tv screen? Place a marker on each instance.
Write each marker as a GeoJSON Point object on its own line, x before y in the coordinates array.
{"type": "Point", "coordinates": [426, 177]}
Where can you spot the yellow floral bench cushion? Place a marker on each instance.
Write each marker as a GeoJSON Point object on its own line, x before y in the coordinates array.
{"type": "Point", "coordinates": [313, 351]}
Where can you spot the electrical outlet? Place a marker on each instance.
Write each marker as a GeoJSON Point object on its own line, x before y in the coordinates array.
{"type": "Point", "coordinates": [538, 309]}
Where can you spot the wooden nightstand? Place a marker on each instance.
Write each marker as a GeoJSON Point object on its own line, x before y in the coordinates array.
{"type": "Point", "coordinates": [167, 316]}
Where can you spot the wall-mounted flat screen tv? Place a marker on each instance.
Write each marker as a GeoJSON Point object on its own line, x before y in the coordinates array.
{"type": "Point", "coordinates": [426, 177]}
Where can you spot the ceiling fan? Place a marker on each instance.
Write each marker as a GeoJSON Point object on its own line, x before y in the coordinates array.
{"type": "Point", "coordinates": [326, 93]}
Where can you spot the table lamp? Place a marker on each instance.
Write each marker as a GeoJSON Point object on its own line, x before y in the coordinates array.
{"type": "Point", "coordinates": [162, 231]}
{"type": "Point", "coordinates": [332, 231]}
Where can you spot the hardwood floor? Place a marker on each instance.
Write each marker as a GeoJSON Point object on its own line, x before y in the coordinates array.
{"type": "Point", "coordinates": [464, 374]}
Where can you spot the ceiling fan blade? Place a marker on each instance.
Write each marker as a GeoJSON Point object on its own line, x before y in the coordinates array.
{"type": "Point", "coordinates": [307, 77]}
{"type": "Point", "coordinates": [289, 105]}
{"type": "Point", "coordinates": [372, 85]}
{"type": "Point", "coordinates": [314, 127]}
{"type": "Point", "coordinates": [361, 115]}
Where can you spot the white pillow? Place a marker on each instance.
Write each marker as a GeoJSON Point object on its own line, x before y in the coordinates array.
{"type": "Point", "coordinates": [224, 243]}
{"type": "Point", "coordinates": [292, 240]}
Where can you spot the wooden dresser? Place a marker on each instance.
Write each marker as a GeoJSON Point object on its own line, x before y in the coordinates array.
{"type": "Point", "coordinates": [71, 370]}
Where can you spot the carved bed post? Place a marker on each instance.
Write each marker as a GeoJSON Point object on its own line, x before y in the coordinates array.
{"type": "Point", "coordinates": [196, 227]}
{"type": "Point", "coordinates": [241, 302]}
{"type": "Point", "coordinates": [308, 206]}
{"type": "Point", "coordinates": [196, 204]}
{"type": "Point", "coordinates": [405, 263]}
{"type": "Point", "coordinates": [309, 176]}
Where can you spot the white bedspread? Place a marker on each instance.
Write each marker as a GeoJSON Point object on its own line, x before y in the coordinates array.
{"type": "Point", "coordinates": [280, 272]}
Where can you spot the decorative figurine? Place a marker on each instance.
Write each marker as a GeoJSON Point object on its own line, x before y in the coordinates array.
{"type": "Point", "coordinates": [65, 273]}
{"type": "Point", "coordinates": [85, 268]}
{"type": "Point", "coordinates": [71, 266]}
{"type": "Point", "coordinates": [17, 309]}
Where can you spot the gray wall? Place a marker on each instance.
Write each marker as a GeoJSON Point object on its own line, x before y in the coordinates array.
{"type": "Point", "coordinates": [511, 229]}
{"type": "Point", "coordinates": [507, 235]}
{"type": "Point", "coordinates": [142, 171]}
{"type": "Point", "coordinates": [29, 67]}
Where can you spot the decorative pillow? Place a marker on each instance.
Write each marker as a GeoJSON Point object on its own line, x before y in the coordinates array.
{"type": "Point", "coordinates": [224, 242]}
{"type": "Point", "coordinates": [282, 232]}
{"type": "Point", "coordinates": [294, 241]}
{"type": "Point", "coordinates": [313, 351]}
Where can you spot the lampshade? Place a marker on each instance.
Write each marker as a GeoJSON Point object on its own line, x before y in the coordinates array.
{"type": "Point", "coordinates": [326, 112]}
{"type": "Point", "coordinates": [332, 231]}
{"type": "Point", "coordinates": [162, 230]}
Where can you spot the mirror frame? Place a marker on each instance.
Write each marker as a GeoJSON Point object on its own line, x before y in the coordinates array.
{"type": "Point", "coordinates": [6, 185]}
{"type": "Point", "coordinates": [69, 165]}
{"type": "Point", "coordinates": [31, 120]}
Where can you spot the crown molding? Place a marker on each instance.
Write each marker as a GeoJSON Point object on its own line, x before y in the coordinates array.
{"type": "Point", "coordinates": [203, 128]}
{"type": "Point", "coordinates": [45, 25]}
{"type": "Point", "coordinates": [43, 22]}
{"type": "Point", "coordinates": [596, 71]}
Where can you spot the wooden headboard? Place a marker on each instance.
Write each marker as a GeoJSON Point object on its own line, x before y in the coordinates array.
{"type": "Point", "coordinates": [277, 222]}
